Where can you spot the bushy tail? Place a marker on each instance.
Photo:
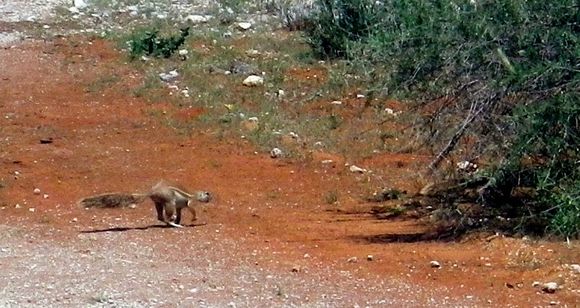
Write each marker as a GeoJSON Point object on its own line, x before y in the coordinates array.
{"type": "Point", "coordinates": [112, 200]}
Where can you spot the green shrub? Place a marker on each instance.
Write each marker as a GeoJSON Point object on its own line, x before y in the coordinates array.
{"type": "Point", "coordinates": [507, 72]}
{"type": "Point", "coordinates": [338, 24]}
{"type": "Point", "coordinates": [149, 42]}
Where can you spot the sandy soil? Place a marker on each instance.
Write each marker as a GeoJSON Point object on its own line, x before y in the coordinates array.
{"type": "Point", "coordinates": [268, 239]}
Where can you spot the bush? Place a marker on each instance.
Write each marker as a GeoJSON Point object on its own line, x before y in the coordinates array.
{"type": "Point", "coordinates": [338, 24]}
{"type": "Point", "coordinates": [149, 42]}
{"type": "Point", "coordinates": [503, 73]}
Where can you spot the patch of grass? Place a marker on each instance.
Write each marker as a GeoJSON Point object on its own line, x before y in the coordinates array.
{"type": "Point", "coordinates": [102, 83]}
{"type": "Point", "coordinates": [331, 197]}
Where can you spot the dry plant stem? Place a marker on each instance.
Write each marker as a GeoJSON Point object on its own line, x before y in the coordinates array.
{"type": "Point", "coordinates": [474, 111]}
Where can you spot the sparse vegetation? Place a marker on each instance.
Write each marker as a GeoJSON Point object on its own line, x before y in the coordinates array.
{"type": "Point", "coordinates": [148, 41]}
{"type": "Point", "coordinates": [331, 197]}
{"type": "Point", "coordinates": [502, 75]}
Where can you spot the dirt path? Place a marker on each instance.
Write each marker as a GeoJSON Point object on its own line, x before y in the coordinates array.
{"type": "Point", "coordinates": [270, 239]}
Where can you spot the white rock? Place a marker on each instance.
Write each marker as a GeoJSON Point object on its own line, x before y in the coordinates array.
{"type": "Point", "coordinates": [359, 96]}
{"type": "Point", "coordinates": [275, 153]}
{"type": "Point", "coordinates": [253, 119]}
{"type": "Point", "coordinates": [370, 258]}
{"type": "Point", "coordinates": [169, 76]}
{"type": "Point", "coordinates": [536, 284]}
{"type": "Point", "coordinates": [80, 4]}
{"type": "Point", "coordinates": [197, 19]}
{"type": "Point", "coordinates": [36, 191]}
{"type": "Point", "coordinates": [252, 53]}
{"type": "Point", "coordinates": [253, 81]}
{"type": "Point", "coordinates": [550, 287]}
{"type": "Point", "coordinates": [31, 209]}
{"type": "Point", "coordinates": [244, 25]}
{"type": "Point", "coordinates": [45, 196]}
{"type": "Point", "coordinates": [575, 268]}
{"type": "Point", "coordinates": [467, 166]}
{"type": "Point", "coordinates": [389, 111]}
{"type": "Point", "coordinates": [352, 260]}
{"type": "Point", "coordinates": [74, 10]}
{"type": "Point", "coordinates": [356, 169]}
{"type": "Point", "coordinates": [46, 27]}
{"type": "Point", "coordinates": [183, 52]}
{"type": "Point", "coordinates": [336, 103]}
{"type": "Point", "coordinates": [281, 93]}
{"type": "Point", "coordinates": [435, 264]}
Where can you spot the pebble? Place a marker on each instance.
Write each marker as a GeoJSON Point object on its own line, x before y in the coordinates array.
{"type": "Point", "coordinates": [275, 153]}
{"type": "Point", "coordinates": [356, 169]}
{"type": "Point", "coordinates": [36, 191]}
{"type": "Point", "coordinates": [370, 258]}
{"type": "Point", "coordinates": [244, 26]}
{"type": "Point", "coordinates": [253, 81]}
{"type": "Point", "coordinates": [575, 268]}
{"type": "Point", "coordinates": [435, 264]}
{"type": "Point", "coordinates": [197, 19]}
{"type": "Point", "coordinates": [550, 287]}
{"type": "Point", "coordinates": [352, 260]}
{"type": "Point", "coordinates": [169, 76]}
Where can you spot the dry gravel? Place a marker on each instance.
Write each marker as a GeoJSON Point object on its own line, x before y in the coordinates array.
{"type": "Point", "coordinates": [133, 269]}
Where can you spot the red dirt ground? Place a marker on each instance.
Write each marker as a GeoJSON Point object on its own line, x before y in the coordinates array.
{"type": "Point", "coordinates": [105, 140]}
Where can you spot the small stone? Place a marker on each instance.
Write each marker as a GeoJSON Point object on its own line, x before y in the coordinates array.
{"type": "Point", "coordinates": [45, 196]}
{"type": "Point", "coordinates": [355, 169]}
{"type": "Point", "coordinates": [435, 264]}
{"type": "Point", "coordinates": [252, 53]}
{"type": "Point", "coordinates": [575, 268]}
{"type": "Point", "coordinates": [275, 153]}
{"type": "Point", "coordinates": [536, 284]}
{"type": "Point", "coordinates": [169, 76]}
{"type": "Point", "coordinates": [295, 269]}
{"type": "Point", "coordinates": [31, 210]}
{"type": "Point", "coordinates": [46, 27]}
{"type": "Point", "coordinates": [17, 206]}
{"type": "Point", "coordinates": [352, 260]}
{"type": "Point", "coordinates": [370, 258]}
{"type": "Point", "coordinates": [74, 10]}
{"type": "Point", "coordinates": [338, 103]}
{"type": "Point", "coordinates": [550, 287]}
{"type": "Point", "coordinates": [359, 96]}
{"type": "Point", "coordinates": [554, 303]}
{"type": "Point", "coordinates": [281, 93]}
{"type": "Point", "coordinates": [244, 26]}
{"type": "Point", "coordinates": [75, 219]}
{"type": "Point", "coordinates": [36, 191]}
{"type": "Point", "coordinates": [80, 4]}
{"type": "Point", "coordinates": [253, 81]}
{"type": "Point", "coordinates": [197, 19]}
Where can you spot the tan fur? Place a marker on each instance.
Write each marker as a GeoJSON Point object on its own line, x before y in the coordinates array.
{"type": "Point", "coordinates": [169, 201]}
